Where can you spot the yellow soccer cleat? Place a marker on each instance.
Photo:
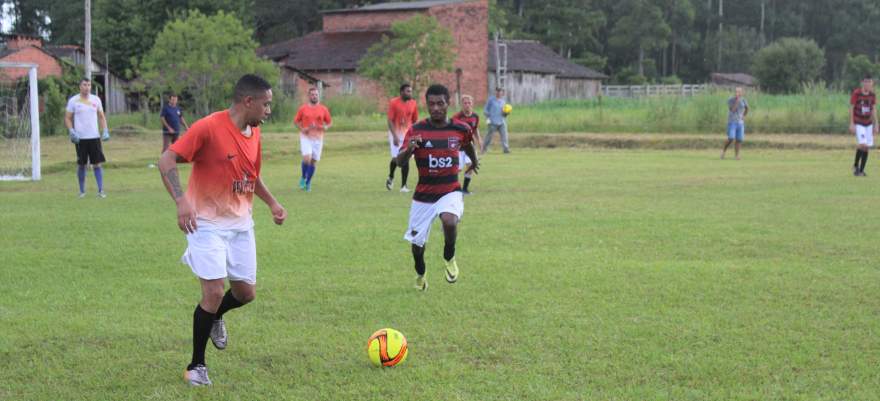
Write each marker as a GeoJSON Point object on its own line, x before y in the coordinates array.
{"type": "Point", "coordinates": [451, 271]}
{"type": "Point", "coordinates": [421, 283]}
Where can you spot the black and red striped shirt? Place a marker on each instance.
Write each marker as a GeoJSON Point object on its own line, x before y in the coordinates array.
{"type": "Point", "coordinates": [437, 157]}
{"type": "Point", "coordinates": [472, 120]}
{"type": "Point", "coordinates": [863, 107]}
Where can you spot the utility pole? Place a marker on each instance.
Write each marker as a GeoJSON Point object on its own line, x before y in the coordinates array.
{"type": "Point", "coordinates": [88, 41]}
{"type": "Point", "coordinates": [720, 32]}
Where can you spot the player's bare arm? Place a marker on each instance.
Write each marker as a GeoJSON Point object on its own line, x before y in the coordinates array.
{"type": "Point", "coordinates": [472, 154]}
{"type": "Point", "coordinates": [165, 123]}
{"type": "Point", "coordinates": [186, 215]}
{"type": "Point", "coordinates": [394, 137]}
{"type": "Point", "coordinates": [68, 120]}
{"type": "Point", "coordinates": [404, 156]}
{"type": "Point", "coordinates": [279, 214]}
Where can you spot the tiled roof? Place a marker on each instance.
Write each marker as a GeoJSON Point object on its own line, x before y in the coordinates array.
{"type": "Point", "coordinates": [532, 56]}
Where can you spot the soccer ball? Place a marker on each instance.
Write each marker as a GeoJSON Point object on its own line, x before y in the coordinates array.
{"type": "Point", "coordinates": [507, 108]}
{"type": "Point", "coordinates": [387, 347]}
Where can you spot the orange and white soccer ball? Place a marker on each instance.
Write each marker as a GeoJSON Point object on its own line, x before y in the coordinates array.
{"type": "Point", "coordinates": [387, 348]}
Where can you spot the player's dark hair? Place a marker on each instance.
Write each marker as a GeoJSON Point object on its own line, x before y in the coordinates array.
{"type": "Point", "coordinates": [404, 86]}
{"type": "Point", "coordinates": [437, 89]}
{"type": "Point", "coordinates": [250, 85]}
{"type": "Point", "coordinates": [314, 88]}
{"type": "Point", "coordinates": [85, 80]}
{"type": "Point", "coordinates": [868, 77]}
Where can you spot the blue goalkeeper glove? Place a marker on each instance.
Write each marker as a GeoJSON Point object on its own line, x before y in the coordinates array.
{"type": "Point", "coordinates": [106, 136]}
{"type": "Point", "coordinates": [73, 137]}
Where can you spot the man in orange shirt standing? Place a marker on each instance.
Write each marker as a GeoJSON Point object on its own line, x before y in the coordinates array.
{"type": "Point", "coordinates": [312, 119]}
{"type": "Point", "coordinates": [215, 211]}
{"type": "Point", "coordinates": [403, 112]}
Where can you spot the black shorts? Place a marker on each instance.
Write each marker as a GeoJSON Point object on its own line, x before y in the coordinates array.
{"type": "Point", "coordinates": [89, 151]}
{"type": "Point", "coordinates": [172, 136]}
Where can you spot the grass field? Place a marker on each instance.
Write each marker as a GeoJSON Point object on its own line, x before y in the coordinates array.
{"type": "Point", "coordinates": [814, 111]}
{"type": "Point", "coordinates": [588, 273]}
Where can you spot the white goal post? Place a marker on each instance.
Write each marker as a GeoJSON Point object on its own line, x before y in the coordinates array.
{"type": "Point", "coordinates": [17, 132]}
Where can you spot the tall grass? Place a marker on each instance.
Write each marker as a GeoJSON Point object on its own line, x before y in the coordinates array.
{"type": "Point", "coordinates": [816, 110]}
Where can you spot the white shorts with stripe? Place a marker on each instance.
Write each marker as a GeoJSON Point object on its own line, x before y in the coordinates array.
{"type": "Point", "coordinates": [422, 215]}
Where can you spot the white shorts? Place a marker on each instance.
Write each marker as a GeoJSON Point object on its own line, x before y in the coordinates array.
{"type": "Point", "coordinates": [311, 147]}
{"type": "Point", "coordinates": [421, 215]}
{"type": "Point", "coordinates": [395, 150]}
{"type": "Point", "coordinates": [463, 160]}
{"type": "Point", "coordinates": [865, 135]}
{"type": "Point", "coordinates": [214, 254]}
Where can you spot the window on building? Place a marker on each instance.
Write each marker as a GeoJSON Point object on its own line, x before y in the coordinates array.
{"type": "Point", "coordinates": [347, 84]}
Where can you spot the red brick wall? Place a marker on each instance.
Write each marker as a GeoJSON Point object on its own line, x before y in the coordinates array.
{"type": "Point", "coordinates": [469, 24]}
{"type": "Point", "coordinates": [365, 21]}
{"type": "Point", "coordinates": [48, 65]}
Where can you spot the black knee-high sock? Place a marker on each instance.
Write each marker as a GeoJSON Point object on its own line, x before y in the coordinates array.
{"type": "Point", "coordinates": [467, 182]}
{"type": "Point", "coordinates": [450, 233]}
{"type": "Point", "coordinates": [202, 321]}
{"type": "Point", "coordinates": [864, 161]}
{"type": "Point", "coordinates": [229, 302]}
{"type": "Point", "coordinates": [404, 173]}
{"type": "Point", "coordinates": [858, 158]}
{"type": "Point", "coordinates": [391, 168]}
{"type": "Point", "coordinates": [419, 257]}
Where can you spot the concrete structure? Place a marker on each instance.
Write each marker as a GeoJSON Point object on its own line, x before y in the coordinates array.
{"type": "Point", "coordinates": [50, 59]}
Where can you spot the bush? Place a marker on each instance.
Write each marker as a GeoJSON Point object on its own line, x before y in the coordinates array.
{"type": "Point", "coordinates": [54, 92]}
{"type": "Point", "coordinates": [856, 68]}
{"type": "Point", "coordinates": [785, 65]}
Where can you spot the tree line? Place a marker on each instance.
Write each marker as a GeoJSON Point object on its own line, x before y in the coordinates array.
{"type": "Point", "coordinates": [633, 41]}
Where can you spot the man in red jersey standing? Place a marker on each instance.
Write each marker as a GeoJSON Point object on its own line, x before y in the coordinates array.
{"type": "Point", "coordinates": [435, 143]}
{"type": "Point", "coordinates": [863, 122]}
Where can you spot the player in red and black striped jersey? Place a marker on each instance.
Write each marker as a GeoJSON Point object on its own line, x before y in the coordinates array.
{"type": "Point", "coordinates": [435, 144]}
{"type": "Point", "coordinates": [863, 122]}
{"type": "Point", "coordinates": [467, 116]}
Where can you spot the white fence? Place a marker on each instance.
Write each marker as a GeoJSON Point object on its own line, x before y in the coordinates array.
{"type": "Point", "coordinates": [652, 90]}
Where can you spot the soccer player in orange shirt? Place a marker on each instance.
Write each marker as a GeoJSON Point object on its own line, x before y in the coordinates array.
{"type": "Point", "coordinates": [403, 112]}
{"type": "Point", "coordinates": [215, 211]}
{"type": "Point", "coordinates": [312, 119]}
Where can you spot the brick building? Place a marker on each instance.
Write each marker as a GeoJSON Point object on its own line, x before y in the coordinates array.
{"type": "Point", "coordinates": [30, 49]}
{"type": "Point", "coordinates": [331, 55]}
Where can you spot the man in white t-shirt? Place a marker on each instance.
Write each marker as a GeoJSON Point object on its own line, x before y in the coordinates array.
{"type": "Point", "coordinates": [84, 113]}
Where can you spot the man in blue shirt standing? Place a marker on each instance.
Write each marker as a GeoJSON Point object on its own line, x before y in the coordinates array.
{"type": "Point", "coordinates": [497, 120]}
{"type": "Point", "coordinates": [171, 117]}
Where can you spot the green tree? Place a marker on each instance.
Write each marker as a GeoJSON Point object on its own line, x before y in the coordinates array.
{"type": "Point", "coordinates": [416, 48]}
{"type": "Point", "coordinates": [640, 29]}
{"type": "Point", "coordinates": [856, 68]}
{"type": "Point", "coordinates": [788, 63]}
{"type": "Point", "coordinates": [203, 56]}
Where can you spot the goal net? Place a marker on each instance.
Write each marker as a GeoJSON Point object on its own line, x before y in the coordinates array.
{"type": "Point", "coordinates": [19, 122]}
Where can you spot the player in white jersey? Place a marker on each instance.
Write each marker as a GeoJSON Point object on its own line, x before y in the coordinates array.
{"type": "Point", "coordinates": [84, 114]}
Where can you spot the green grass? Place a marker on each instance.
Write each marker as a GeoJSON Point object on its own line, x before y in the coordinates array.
{"type": "Point", "coordinates": [587, 274]}
{"type": "Point", "coordinates": [816, 110]}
